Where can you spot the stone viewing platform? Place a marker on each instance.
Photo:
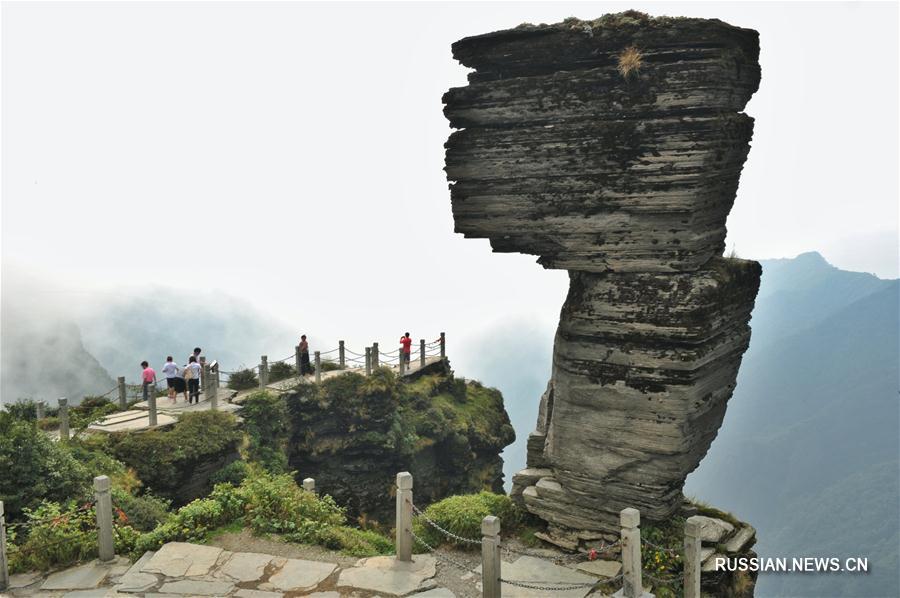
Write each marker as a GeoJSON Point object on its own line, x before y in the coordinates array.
{"type": "Point", "coordinates": [161, 412]}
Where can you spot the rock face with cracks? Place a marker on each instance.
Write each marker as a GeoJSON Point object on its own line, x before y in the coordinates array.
{"type": "Point", "coordinates": [613, 149]}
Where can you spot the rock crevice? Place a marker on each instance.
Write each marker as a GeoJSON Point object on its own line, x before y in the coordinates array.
{"type": "Point", "coordinates": [613, 149]}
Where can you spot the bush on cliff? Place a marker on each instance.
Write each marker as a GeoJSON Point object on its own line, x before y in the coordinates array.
{"type": "Point", "coordinates": [463, 514]}
{"type": "Point", "coordinates": [281, 370]}
{"type": "Point", "coordinates": [34, 468]}
{"type": "Point", "coordinates": [166, 460]}
{"type": "Point", "coordinates": [243, 379]}
{"type": "Point", "coordinates": [267, 504]}
{"type": "Point", "coordinates": [266, 424]}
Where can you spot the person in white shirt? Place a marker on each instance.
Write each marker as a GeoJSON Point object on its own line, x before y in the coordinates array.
{"type": "Point", "coordinates": [170, 370]}
{"type": "Point", "coordinates": [193, 379]}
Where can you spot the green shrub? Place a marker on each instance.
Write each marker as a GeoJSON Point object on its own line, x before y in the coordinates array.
{"type": "Point", "coordinates": [55, 536]}
{"type": "Point", "coordinates": [356, 542]}
{"type": "Point", "coordinates": [143, 513]}
{"type": "Point", "coordinates": [281, 370]}
{"type": "Point", "coordinates": [462, 515]}
{"type": "Point", "coordinates": [24, 409]}
{"type": "Point", "coordinates": [275, 504]}
{"type": "Point", "coordinates": [48, 423]}
{"type": "Point", "coordinates": [233, 473]}
{"type": "Point", "coordinates": [34, 468]}
{"type": "Point", "coordinates": [90, 410]}
{"type": "Point", "coordinates": [329, 366]}
{"type": "Point", "coordinates": [267, 426]}
{"type": "Point", "coordinates": [243, 379]}
{"type": "Point", "coordinates": [165, 460]}
{"type": "Point", "coordinates": [190, 523]}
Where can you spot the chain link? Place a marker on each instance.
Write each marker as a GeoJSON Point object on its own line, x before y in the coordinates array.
{"type": "Point", "coordinates": [442, 557]}
{"type": "Point", "coordinates": [447, 533]}
{"type": "Point", "coordinates": [660, 548]}
{"type": "Point", "coordinates": [664, 581]}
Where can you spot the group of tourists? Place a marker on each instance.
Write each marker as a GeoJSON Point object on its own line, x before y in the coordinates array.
{"type": "Point", "coordinates": [179, 379]}
{"type": "Point", "coordinates": [303, 347]}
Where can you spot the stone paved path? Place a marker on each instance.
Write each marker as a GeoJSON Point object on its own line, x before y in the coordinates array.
{"type": "Point", "coordinates": [179, 569]}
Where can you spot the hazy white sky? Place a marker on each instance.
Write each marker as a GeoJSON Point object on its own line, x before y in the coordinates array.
{"type": "Point", "coordinates": [292, 154]}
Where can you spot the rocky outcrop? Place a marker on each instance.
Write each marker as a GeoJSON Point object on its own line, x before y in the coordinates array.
{"type": "Point", "coordinates": [354, 434]}
{"type": "Point", "coordinates": [613, 149]}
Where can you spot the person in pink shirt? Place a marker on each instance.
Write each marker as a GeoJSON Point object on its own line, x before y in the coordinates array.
{"type": "Point", "coordinates": [148, 379]}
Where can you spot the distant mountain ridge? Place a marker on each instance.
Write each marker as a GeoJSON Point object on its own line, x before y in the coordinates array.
{"type": "Point", "coordinates": [809, 448]}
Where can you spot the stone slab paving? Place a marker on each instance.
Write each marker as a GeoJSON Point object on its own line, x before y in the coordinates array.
{"type": "Point", "coordinates": [197, 587]}
{"type": "Point", "coordinates": [298, 575]}
{"type": "Point", "coordinates": [535, 570]}
{"type": "Point", "coordinates": [385, 575]}
{"type": "Point", "coordinates": [180, 569]}
{"type": "Point", "coordinates": [83, 577]}
{"type": "Point", "coordinates": [600, 568]}
{"type": "Point", "coordinates": [180, 559]}
{"type": "Point", "coordinates": [246, 566]}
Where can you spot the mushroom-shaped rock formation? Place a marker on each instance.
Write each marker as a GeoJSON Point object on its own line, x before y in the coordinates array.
{"type": "Point", "coordinates": [613, 149]}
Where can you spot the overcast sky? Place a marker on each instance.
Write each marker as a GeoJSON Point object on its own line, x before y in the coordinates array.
{"type": "Point", "coordinates": [292, 154]}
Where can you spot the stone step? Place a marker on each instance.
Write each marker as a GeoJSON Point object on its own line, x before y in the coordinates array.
{"type": "Point", "coordinates": [744, 538]}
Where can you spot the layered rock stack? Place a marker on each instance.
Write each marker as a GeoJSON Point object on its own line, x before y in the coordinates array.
{"type": "Point", "coordinates": [613, 149]}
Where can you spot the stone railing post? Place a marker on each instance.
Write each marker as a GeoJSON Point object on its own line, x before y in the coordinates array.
{"type": "Point", "coordinates": [263, 371]}
{"type": "Point", "coordinates": [297, 363]}
{"type": "Point", "coordinates": [402, 363]}
{"type": "Point", "coordinates": [204, 375]}
{"type": "Point", "coordinates": [692, 558]}
{"type": "Point", "coordinates": [39, 410]}
{"type": "Point", "coordinates": [103, 507]}
{"type": "Point", "coordinates": [443, 345]}
{"type": "Point", "coordinates": [204, 378]}
{"type": "Point", "coordinates": [422, 353]}
{"type": "Point", "coordinates": [341, 359]}
{"type": "Point", "coordinates": [630, 520]}
{"type": "Point", "coordinates": [318, 367]}
{"type": "Point", "coordinates": [368, 360]}
{"type": "Point", "coordinates": [309, 485]}
{"type": "Point", "coordinates": [151, 406]}
{"type": "Point", "coordinates": [63, 419]}
{"type": "Point", "coordinates": [212, 380]}
{"type": "Point", "coordinates": [490, 557]}
{"type": "Point", "coordinates": [4, 562]}
{"type": "Point", "coordinates": [404, 516]}
{"type": "Point", "coordinates": [374, 356]}
{"type": "Point", "coordinates": [123, 401]}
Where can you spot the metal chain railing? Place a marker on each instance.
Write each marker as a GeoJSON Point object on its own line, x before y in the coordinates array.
{"type": "Point", "coordinates": [443, 557]}
{"type": "Point", "coordinates": [447, 533]}
{"type": "Point", "coordinates": [660, 548]}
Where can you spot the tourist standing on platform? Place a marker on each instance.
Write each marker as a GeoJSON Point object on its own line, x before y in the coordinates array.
{"type": "Point", "coordinates": [148, 380]}
{"type": "Point", "coordinates": [192, 376]}
{"type": "Point", "coordinates": [407, 347]}
{"type": "Point", "coordinates": [171, 372]}
{"type": "Point", "coordinates": [304, 356]}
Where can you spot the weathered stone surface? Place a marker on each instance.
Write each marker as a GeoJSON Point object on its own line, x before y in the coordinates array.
{"type": "Point", "coordinates": [601, 568]}
{"type": "Point", "coordinates": [388, 576]}
{"type": "Point", "coordinates": [741, 540]}
{"type": "Point", "coordinates": [97, 593]}
{"type": "Point", "coordinates": [245, 566]}
{"type": "Point", "coordinates": [180, 559]}
{"type": "Point", "coordinates": [562, 156]}
{"type": "Point", "coordinates": [712, 530]}
{"type": "Point", "coordinates": [23, 580]}
{"type": "Point", "coordinates": [530, 569]}
{"type": "Point", "coordinates": [436, 593]}
{"type": "Point", "coordinates": [624, 178]}
{"type": "Point", "coordinates": [197, 587]}
{"type": "Point", "coordinates": [297, 575]}
{"type": "Point", "coordinates": [262, 594]}
{"type": "Point", "coordinates": [135, 581]}
{"type": "Point", "coordinates": [82, 577]}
